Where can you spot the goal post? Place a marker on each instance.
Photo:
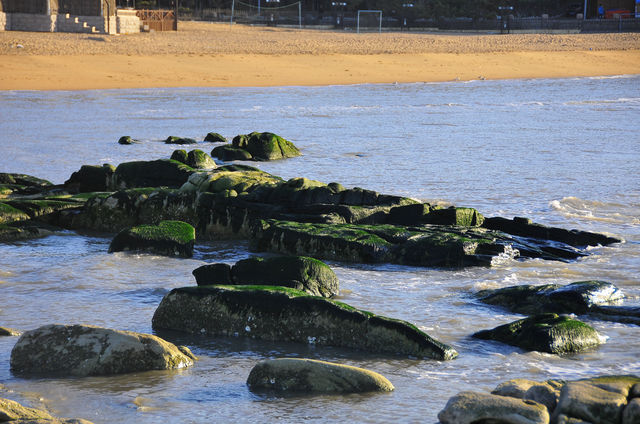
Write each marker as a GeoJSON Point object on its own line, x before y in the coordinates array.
{"type": "Point", "coordinates": [259, 13]}
{"type": "Point", "coordinates": [377, 12]}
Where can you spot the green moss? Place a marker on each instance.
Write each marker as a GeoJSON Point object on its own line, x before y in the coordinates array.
{"type": "Point", "coordinates": [177, 231]}
{"type": "Point", "coordinates": [10, 214]}
{"type": "Point", "coordinates": [288, 291]}
{"type": "Point", "coordinates": [241, 181]}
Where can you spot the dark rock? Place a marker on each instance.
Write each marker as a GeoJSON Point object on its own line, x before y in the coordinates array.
{"type": "Point", "coordinates": [9, 214]}
{"type": "Point", "coordinates": [156, 173]}
{"type": "Point", "coordinates": [474, 408]}
{"type": "Point", "coordinates": [576, 298]}
{"type": "Point", "coordinates": [125, 139]}
{"type": "Point", "coordinates": [525, 228]}
{"type": "Point", "coordinates": [408, 214]}
{"type": "Point", "coordinates": [207, 275]}
{"type": "Point", "coordinates": [213, 137]}
{"type": "Point", "coordinates": [295, 375]}
{"type": "Point", "coordinates": [90, 350]}
{"type": "Point", "coordinates": [171, 238]}
{"type": "Point", "coordinates": [264, 146]}
{"type": "Point", "coordinates": [5, 331]}
{"type": "Point", "coordinates": [179, 155]}
{"type": "Point", "coordinates": [283, 314]}
{"type": "Point", "coordinates": [11, 233]}
{"type": "Point", "coordinates": [228, 153]}
{"type": "Point", "coordinates": [179, 140]}
{"type": "Point", "coordinates": [466, 217]}
{"type": "Point", "coordinates": [623, 314]}
{"type": "Point", "coordinates": [545, 333]}
{"type": "Point", "coordinates": [23, 184]}
{"type": "Point", "coordinates": [90, 179]}
{"type": "Point", "coordinates": [45, 210]}
{"type": "Point", "coordinates": [307, 274]}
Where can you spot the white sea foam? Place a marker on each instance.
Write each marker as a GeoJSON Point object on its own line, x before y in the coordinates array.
{"type": "Point", "coordinates": [594, 210]}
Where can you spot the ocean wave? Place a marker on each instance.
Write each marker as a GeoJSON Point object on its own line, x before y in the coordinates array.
{"type": "Point", "coordinates": [620, 100]}
{"type": "Point", "coordinates": [594, 210]}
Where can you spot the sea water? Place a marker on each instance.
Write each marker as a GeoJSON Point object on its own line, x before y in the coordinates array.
{"type": "Point", "coordinates": [564, 152]}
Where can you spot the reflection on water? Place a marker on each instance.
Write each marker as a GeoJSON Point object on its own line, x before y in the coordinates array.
{"type": "Point", "coordinates": [553, 150]}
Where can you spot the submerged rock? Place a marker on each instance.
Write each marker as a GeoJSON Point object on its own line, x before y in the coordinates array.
{"type": "Point", "coordinates": [307, 274]}
{"type": "Point", "coordinates": [472, 408]}
{"type": "Point", "coordinates": [545, 333]}
{"type": "Point", "coordinates": [214, 137]}
{"type": "Point", "coordinates": [125, 139]}
{"type": "Point", "coordinates": [90, 178]}
{"type": "Point", "coordinates": [294, 375]}
{"type": "Point", "coordinates": [577, 298]}
{"type": "Point", "coordinates": [82, 350]}
{"type": "Point", "coordinates": [283, 314]}
{"type": "Point", "coordinates": [12, 411]}
{"type": "Point", "coordinates": [171, 238]}
{"type": "Point", "coordinates": [229, 153]}
{"type": "Point", "coordinates": [179, 155]}
{"type": "Point", "coordinates": [179, 140]}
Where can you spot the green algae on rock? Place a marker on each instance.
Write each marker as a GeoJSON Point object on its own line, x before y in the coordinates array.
{"type": "Point", "coordinates": [155, 173]}
{"type": "Point", "coordinates": [258, 146]}
{"type": "Point", "coordinates": [214, 137]}
{"type": "Point", "coordinates": [285, 314]}
{"type": "Point", "coordinates": [545, 333]}
{"type": "Point", "coordinates": [171, 238]}
{"type": "Point", "coordinates": [302, 273]}
{"type": "Point", "coordinates": [179, 140]}
{"type": "Point", "coordinates": [298, 375]}
{"type": "Point", "coordinates": [82, 350]}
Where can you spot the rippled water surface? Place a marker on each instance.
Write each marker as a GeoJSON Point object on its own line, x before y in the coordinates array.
{"type": "Point", "coordinates": [563, 152]}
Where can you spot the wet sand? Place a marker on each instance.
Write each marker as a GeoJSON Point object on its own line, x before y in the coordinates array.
{"type": "Point", "coordinates": [218, 55]}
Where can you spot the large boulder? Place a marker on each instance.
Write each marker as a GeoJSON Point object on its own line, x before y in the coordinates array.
{"type": "Point", "coordinates": [214, 137]}
{"type": "Point", "coordinates": [228, 153]}
{"type": "Point", "coordinates": [196, 159]}
{"type": "Point", "coordinates": [472, 408]}
{"type": "Point", "coordinates": [576, 298]}
{"type": "Point", "coordinates": [90, 178]}
{"type": "Point", "coordinates": [307, 274]}
{"type": "Point", "coordinates": [258, 146]}
{"type": "Point", "coordinates": [295, 375]}
{"type": "Point", "coordinates": [82, 350]}
{"type": "Point", "coordinates": [283, 314]}
{"type": "Point", "coordinates": [545, 333]}
{"type": "Point", "coordinates": [126, 140]}
{"type": "Point", "coordinates": [179, 140]}
{"type": "Point", "coordinates": [155, 173]}
{"type": "Point", "coordinates": [546, 393]}
{"type": "Point", "coordinates": [170, 238]}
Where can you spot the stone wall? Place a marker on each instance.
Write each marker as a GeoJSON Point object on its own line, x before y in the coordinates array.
{"type": "Point", "coordinates": [128, 22]}
{"type": "Point", "coordinates": [31, 22]}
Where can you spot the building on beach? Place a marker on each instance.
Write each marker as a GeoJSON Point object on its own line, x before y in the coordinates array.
{"type": "Point", "coordinates": [85, 16]}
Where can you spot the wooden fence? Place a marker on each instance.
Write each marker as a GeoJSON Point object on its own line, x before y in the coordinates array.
{"type": "Point", "coordinates": [158, 20]}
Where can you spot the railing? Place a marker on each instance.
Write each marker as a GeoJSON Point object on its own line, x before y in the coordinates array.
{"type": "Point", "coordinates": [158, 20]}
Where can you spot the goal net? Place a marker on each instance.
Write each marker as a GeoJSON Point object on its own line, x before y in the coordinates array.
{"type": "Point", "coordinates": [369, 20]}
{"type": "Point", "coordinates": [266, 12]}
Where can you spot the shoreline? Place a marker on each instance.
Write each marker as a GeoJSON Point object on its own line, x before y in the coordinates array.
{"type": "Point", "coordinates": [212, 55]}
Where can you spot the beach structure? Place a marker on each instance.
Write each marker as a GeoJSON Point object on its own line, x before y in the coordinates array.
{"type": "Point", "coordinates": [85, 16]}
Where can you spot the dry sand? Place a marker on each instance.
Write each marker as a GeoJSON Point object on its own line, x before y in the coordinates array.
{"type": "Point", "coordinates": [207, 54]}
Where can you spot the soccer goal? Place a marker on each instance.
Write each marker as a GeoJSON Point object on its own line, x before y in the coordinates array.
{"type": "Point", "coordinates": [367, 19]}
{"type": "Point", "coordinates": [266, 12]}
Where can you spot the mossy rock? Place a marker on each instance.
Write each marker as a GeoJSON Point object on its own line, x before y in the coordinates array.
{"type": "Point", "coordinates": [265, 146]}
{"type": "Point", "coordinates": [465, 217]}
{"type": "Point", "coordinates": [90, 350]}
{"type": "Point", "coordinates": [285, 314]}
{"type": "Point", "coordinates": [302, 273]}
{"type": "Point", "coordinates": [126, 140]}
{"type": "Point", "coordinates": [214, 137]}
{"type": "Point", "coordinates": [298, 375]}
{"type": "Point", "coordinates": [241, 181]}
{"type": "Point", "coordinates": [549, 333]}
{"type": "Point", "coordinates": [179, 155]}
{"type": "Point", "coordinates": [229, 153]}
{"type": "Point", "coordinates": [44, 209]}
{"type": "Point", "coordinates": [12, 233]}
{"type": "Point", "coordinates": [9, 214]}
{"type": "Point", "coordinates": [156, 173]}
{"type": "Point", "coordinates": [179, 140]}
{"type": "Point", "coordinates": [171, 238]}
{"type": "Point", "coordinates": [23, 184]}
{"type": "Point", "coordinates": [90, 178]}
{"type": "Point", "coordinates": [198, 159]}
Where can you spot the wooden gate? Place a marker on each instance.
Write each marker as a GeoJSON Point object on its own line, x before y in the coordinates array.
{"type": "Point", "coordinates": [158, 20]}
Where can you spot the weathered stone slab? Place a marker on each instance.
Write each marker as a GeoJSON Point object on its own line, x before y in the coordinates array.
{"type": "Point", "coordinates": [294, 375]}
{"type": "Point", "coordinates": [283, 314]}
{"type": "Point", "coordinates": [171, 238]}
{"type": "Point", "coordinates": [472, 407]}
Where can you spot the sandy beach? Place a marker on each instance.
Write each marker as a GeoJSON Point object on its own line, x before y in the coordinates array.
{"type": "Point", "coordinates": [220, 55]}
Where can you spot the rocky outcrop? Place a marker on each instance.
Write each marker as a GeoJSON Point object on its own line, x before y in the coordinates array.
{"type": "Point", "coordinates": [125, 139]}
{"type": "Point", "coordinates": [599, 400]}
{"type": "Point", "coordinates": [283, 314]}
{"type": "Point", "coordinates": [294, 375]}
{"type": "Point", "coordinates": [196, 159]}
{"type": "Point", "coordinates": [155, 173]}
{"type": "Point", "coordinates": [81, 350]}
{"type": "Point", "coordinates": [179, 140]}
{"type": "Point", "coordinates": [258, 146]}
{"type": "Point", "coordinates": [170, 238]}
{"type": "Point", "coordinates": [472, 407]}
{"type": "Point", "coordinates": [598, 299]}
{"type": "Point", "coordinates": [12, 411]}
{"type": "Point", "coordinates": [22, 184]}
{"type": "Point", "coordinates": [298, 272]}
{"type": "Point", "coordinates": [90, 178]}
{"type": "Point", "coordinates": [214, 137]}
{"type": "Point", "coordinates": [545, 333]}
